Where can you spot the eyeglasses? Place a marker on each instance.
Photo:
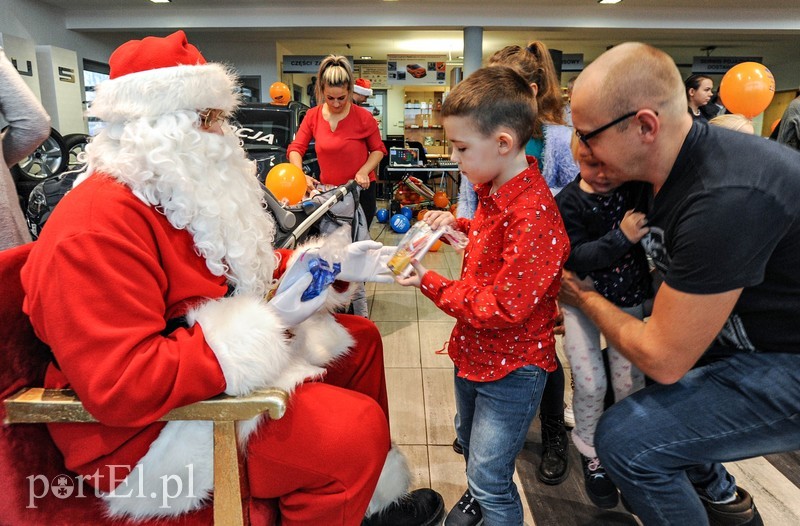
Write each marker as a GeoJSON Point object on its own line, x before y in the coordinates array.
{"type": "Point", "coordinates": [584, 137]}
{"type": "Point", "coordinates": [210, 117]}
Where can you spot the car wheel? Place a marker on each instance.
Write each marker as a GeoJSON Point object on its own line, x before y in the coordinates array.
{"type": "Point", "coordinates": [49, 159]}
{"type": "Point", "coordinates": [76, 145]}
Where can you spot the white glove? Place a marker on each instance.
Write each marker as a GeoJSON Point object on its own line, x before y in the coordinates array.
{"type": "Point", "coordinates": [366, 261]}
{"type": "Point", "coordinates": [290, 309]}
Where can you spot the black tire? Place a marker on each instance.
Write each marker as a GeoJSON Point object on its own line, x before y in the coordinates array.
{"type": "Point", "coordinates": [49, 159]}
{"type": "Point", "coordinates": [76, 145]}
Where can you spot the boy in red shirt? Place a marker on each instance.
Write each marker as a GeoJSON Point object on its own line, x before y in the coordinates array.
{"type": "Point", "coordinates": [505, 302]}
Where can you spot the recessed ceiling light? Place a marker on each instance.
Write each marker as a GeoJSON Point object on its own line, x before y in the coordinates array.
{"type": "Point", "coordinates": [608, 1]}
{"type": "Point", "coordinates": [161, 1]}
{"type": "Point", "coordinates": [366, 57]}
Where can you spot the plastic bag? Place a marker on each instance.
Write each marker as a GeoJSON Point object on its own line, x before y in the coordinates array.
{"type": "Point", "coordinates": [418, 241]}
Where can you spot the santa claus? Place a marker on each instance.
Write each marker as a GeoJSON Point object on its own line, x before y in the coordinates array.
{"type": "Point", "coordinates": [150, 283]}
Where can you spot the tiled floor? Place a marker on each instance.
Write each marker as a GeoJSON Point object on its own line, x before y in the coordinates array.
{"type": "Point", "coordinates": [422, 406]}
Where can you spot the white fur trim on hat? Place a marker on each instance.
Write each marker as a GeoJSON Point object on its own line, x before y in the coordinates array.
{"type": "Point", "coordinates": [362, 90]}
{"type": "Point", "coordinates": [165, 90]}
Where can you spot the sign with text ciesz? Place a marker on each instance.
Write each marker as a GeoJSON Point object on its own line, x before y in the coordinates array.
{"type": "Point", "coordinates": [417, 70]}
{"type": "Point", "coordinates": [305, 63]}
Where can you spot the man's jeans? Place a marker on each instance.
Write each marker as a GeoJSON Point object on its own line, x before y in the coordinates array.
{"type": "Point", "coordinates": [663, 445]}
{"type": "Point", "coordinates": [491, 422]}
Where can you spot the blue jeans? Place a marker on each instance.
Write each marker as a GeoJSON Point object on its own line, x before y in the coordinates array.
{"type": "Point", "coordinates": [663, 446]}
{"type": "Point", "coordinates": [491, 422]}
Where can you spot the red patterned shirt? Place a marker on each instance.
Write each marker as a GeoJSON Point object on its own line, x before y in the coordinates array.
{"type": "Point", "coordinates": [505, 301]}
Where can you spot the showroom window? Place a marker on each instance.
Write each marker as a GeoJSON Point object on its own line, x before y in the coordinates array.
{"type": "Point", "coordinates": [93, 74]}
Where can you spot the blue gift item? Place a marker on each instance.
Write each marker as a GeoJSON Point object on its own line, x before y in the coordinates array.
{"type": "Point", "coordinates": [322, 272]}
{"type": "Point", "coordinates": [323, 275]}
{"type": "Point", "coordinates": [400, 223]}
{"type": "Point", "coordinates": [406, 211]}
{"type": "Point", "coordinates": [382, 215]}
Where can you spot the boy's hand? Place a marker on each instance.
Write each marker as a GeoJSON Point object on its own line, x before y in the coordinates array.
{"type": "Point", "coordinates": [634, 226]}
{"type": "Point", "coordinates": [438, 218]}
{"type": "Point", "coordinates": [415, 278]}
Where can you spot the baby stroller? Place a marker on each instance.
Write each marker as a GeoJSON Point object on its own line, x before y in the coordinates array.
{"type": "Point", "coordinates": [332, 208]}
{"type": "Point", "coordinates": [321, 214]}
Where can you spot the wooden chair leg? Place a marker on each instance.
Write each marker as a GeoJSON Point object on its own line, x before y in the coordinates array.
{"type": "Point", "coordinates": [227, 492]}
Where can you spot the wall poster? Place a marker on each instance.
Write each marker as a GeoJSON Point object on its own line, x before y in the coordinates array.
{"type": "Point", "coordinates": [417, 70]}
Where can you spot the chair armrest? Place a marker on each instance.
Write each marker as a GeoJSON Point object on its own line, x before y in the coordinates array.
{"type": "Point", "coordinates": [38, 405]}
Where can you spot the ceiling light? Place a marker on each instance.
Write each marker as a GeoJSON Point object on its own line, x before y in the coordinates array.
{"type": "Point", "coordinates": [608, 1]}
{"type": "Point", "coordinates": [366, 57]}
{"type": "Point", "coordinates": [161, 1]}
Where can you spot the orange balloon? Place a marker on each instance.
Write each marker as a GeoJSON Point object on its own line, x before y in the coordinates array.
{"type": "Point", "coordinates": [440, 199]}
{"type": "Point", "coordinates": [286, 181]}
{"type": "Point", "coordinates": [435, 246]}
{"type": "Point", "coordinates": [774, 125]}
{"type": "Point", "coordinates": [280, 93]}
{"type": "Point", "coordinates": [747, 88]}
{"type": "Point", "coordinates": [421, 214]}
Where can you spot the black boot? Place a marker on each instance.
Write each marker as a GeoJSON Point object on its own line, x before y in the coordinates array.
{"type": "Point", "coordinates": [553, 469]}
{"type": "Point", "coordinates": [601, 491]}
{"type": "Point", "coordinates": [421, 507]}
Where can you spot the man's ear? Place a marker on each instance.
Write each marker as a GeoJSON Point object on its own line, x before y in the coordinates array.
{"type": "Point", "coordinates": [649, 125]}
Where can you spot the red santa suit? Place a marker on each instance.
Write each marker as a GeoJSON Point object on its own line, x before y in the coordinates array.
{"type": "Point", "coordinates": [140, 321]}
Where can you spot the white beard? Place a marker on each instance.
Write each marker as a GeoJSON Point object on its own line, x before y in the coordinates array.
{"type": "Point", "coordinates": [203, 183]}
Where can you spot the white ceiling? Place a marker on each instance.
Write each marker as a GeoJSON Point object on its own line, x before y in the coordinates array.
{"type": "Point", "coordinates": [683, 28]}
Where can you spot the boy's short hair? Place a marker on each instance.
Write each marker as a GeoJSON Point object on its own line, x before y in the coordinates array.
{"type": "Point", "coordinates": [492, 97]}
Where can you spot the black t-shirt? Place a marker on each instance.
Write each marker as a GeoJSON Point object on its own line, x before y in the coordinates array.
{"type": "Point", "coordinates": [728, 217]}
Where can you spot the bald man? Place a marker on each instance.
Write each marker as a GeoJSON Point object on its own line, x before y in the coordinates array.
{"type": "Point", "coordinates": [723, 342]}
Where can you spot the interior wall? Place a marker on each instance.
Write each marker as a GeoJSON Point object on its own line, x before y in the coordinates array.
{"type": "Point", "coordinates": [248, 58]}
{"type": "Point", "coordinates": [45, 25]}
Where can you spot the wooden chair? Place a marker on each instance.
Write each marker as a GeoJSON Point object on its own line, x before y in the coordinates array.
{"type": "Point", "coordinates": [27, 450]}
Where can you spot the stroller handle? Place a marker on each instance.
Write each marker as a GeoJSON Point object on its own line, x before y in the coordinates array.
{"type": "Point", "coordinates": [338, 194]}
{"type": "Point", "coordinates": [285, 219]}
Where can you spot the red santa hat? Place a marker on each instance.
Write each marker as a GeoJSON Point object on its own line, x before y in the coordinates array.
{"type": "Point", "coordinates": [155, 76]}
{"type": "Point", "coordinates": [363, 87]}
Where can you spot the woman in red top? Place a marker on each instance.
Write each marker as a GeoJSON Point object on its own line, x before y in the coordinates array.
{"type": "Point", "coordinates": [347, 139]}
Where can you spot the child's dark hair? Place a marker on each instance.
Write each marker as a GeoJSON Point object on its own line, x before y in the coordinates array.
{"type": "Point", "coordinates": [493, 97]}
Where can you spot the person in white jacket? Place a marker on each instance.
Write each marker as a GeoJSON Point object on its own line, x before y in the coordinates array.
{"type": "Point", "coordinates": [28, 126]}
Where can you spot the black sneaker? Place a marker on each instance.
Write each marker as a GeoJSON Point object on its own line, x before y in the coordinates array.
{"type": "Point", "coordinates": [553, 469]}
{"type": "Point", "coordinates": [740, 512]}
{"type": "Point", "coordinates": [457, 447]}
{"type": "Point", "coordinates": [601, 491]}
{"type": "Point", "coordinates": [466, 512]}
{"type": "Point", "coordinates": [421, 507]}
